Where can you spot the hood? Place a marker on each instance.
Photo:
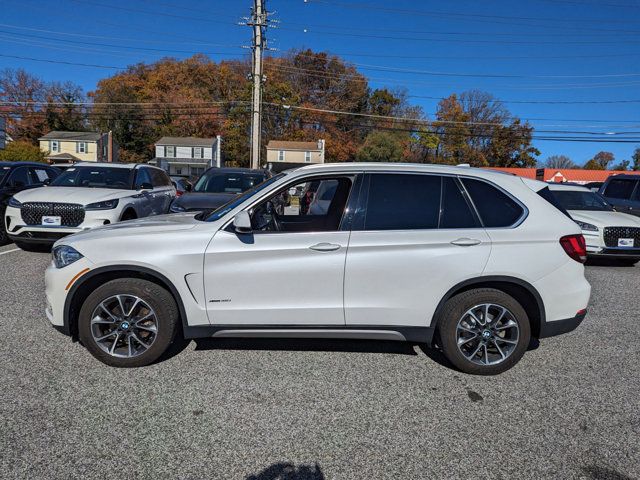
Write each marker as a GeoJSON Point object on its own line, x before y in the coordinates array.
{"type": "Point", "coordinates": [79, 195]}
{"type": "Point", "coordinates": [605, 219]}
{"type": "Point", "coordinates": [203, 201]}
{"type": "Point", "coordinates": [159, 224]}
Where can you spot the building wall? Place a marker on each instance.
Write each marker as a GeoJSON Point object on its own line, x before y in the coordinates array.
{"type": "Point", "coordinates": [294, 156]}
{"type": "Point", "coordinates": [69, 147]}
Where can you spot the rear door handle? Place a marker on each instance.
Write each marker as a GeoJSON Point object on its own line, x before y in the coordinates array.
{"type": "Point", "coordinates": [466, 242]}
{"type": "Point", "coordinates": [325, 247]}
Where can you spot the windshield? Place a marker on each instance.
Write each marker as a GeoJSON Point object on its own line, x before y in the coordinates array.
{"type": "Point", "coordinates": [3, 173]}
{"type": "Point", "coordinates": [227, 207]}
{"type": "Point", "coordinates": [216, 182]}
{"type": "Point", "coordinates": [578, 200]}
{"type": "Point", "coordinates": [95, 177]}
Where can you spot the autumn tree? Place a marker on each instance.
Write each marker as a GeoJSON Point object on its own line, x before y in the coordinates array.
{"type": "Point", "coordinates": [23, 93]}
{"type": "Point", "coordinates": [559, 161]}
{"type": "Point", "coordinates": [381, 147]}
{"type": "Point", "coordinates": [22, 151]}
{"type": "Point", "coordinates": [636, 159]}
{"type": "Point", "coordinates": [602, 159]}
{"type": "Point", "coordinates": [64, 108]}
{"type": "Point", "coordinates": [593, 165]}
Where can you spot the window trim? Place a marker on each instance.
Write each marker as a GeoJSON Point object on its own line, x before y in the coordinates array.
{"type": "Point", "coordinates": [281, 153]}
{"type": "Point", "coordinates": [57, 146]}
{"type": "Point", "coordinates": [361, 210]}
{"type": "Point", "coordinates": [166, 151]}
{"type": "Point", "coordinates": [84, 148]}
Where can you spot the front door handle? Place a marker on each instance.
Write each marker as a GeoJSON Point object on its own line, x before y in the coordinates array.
{"type": "Point", "coordinates": [325, 247]}
{"type": "Point", "coordinates": [466, 242]}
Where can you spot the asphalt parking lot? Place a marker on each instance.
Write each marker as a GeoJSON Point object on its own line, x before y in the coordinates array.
{"type": "Point", "coordinates": [291, 409]}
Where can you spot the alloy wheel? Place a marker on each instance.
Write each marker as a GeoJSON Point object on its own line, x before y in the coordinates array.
{"type": "Point", "coordinates": [487, 334]}
{"type": "Point", "coordinates": [124, 326]}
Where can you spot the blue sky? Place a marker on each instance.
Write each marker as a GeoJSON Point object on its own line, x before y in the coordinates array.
{"type": "Point", "coordinates": [529, 54]}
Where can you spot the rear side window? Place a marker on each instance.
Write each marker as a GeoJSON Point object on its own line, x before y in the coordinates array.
{"type": "Point", "coordinates": [455, 211]}
{"type": "Point", "coordinates": [620, 189]}
{"type": "Point", "coordinates": [496, 209]}
{"type": "Point", "coordinates": [403, 202]}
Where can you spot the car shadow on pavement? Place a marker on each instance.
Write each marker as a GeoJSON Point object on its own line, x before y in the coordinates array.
{"type": "Point", "coordinates": [288, 471]}
{"type": "Point", "coordinates": [306, 345]}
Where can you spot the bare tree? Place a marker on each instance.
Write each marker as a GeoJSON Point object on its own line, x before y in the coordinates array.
{"type": "Point", "coordinates": [559, 161]}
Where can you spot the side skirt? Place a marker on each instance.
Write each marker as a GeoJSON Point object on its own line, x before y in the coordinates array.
{"type": "Point", "coordinates": [359, 332]}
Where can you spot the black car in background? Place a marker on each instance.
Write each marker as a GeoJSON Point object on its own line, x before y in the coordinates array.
{"type": "Point", "coordinates": [16, 177]}
{"type": "Point", "coordinates": [216, 187]}
{"type": "Point", "coordinates": [623, 192]}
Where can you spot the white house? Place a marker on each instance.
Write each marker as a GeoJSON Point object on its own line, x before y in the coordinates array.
{"type": "Point", "coordinates": [187, 156]}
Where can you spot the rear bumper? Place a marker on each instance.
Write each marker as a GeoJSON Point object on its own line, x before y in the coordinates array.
{"type": "Point", "coordinates": [558, 327]}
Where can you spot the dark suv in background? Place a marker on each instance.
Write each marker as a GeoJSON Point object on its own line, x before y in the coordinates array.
{"type": "Point", "coordinates": [16, 177]}
{"type": "Point", "coordinates": [623, 192]}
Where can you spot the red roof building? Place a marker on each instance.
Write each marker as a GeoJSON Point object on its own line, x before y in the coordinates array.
{"type": "Point", "coordinates": [562, 175]}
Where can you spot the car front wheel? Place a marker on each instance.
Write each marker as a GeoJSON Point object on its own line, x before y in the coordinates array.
{"type": "Point", "coordinates": [484, 331]}
{"type": "Point", "coordinates": [128, 322]}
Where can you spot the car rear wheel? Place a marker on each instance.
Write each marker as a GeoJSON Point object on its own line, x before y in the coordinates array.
{"type": "Point", "coordinates": [484, 331]}
{"type": "Point", "coordinates": [128, 322]}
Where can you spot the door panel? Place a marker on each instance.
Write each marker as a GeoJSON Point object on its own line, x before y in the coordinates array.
{"type": "Point", "coordinates": [276, 278]}
{"type": "Point", "coordinates": [399, 277]}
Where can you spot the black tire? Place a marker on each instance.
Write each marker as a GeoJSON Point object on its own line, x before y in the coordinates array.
{"type": "Point", "coordinates": [128, 215]}
{"type": "Point", "coordinates": [159, 299]}
{"type": "Point", "coordinates": [456, 307]}
{"type": "Point", "coordinates": [34, 247]}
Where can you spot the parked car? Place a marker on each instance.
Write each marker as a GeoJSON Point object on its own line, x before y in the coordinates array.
{"type": "Point", "coordinates": [216, 187]}
{"type": "Point", "coordinates": [181, 184]}
{"type": "Point", "coordinates": [608, 234]}
{"type": "Point", "coordinates": [473, 261]}
{"type": "Point", "coordinates": [16, 177]}
{"type": "Point", "coordinates": [594, 186]}
{"type": "Point", "coordinates": [623, 192]}
{"type": "Point", "coordinates": [86, 196]}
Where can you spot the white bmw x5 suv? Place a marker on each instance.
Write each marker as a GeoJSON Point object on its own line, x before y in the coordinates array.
{"type": "Point", "coordinates": [471, 261]}
{"type": "Point", "coordinates": [84, 196]}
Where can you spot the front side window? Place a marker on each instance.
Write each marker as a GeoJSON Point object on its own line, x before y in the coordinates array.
{"type": "Point", "coordinates": [215, 182]}
{"type": "Point", "coordinates": [313, 205]}
{"type": "Point", "coordinates": [496, 208]}
{"type": "Point", "coordinates": [621, 189]}
{"type": "Point", "coordinates": [403, 202]}
{"type": "Point", "coordinates": [95, 177]}
{"type": "Point", "coordinates": [581, 200]}
{"type": "Point", "coordinates": [19, 178]}
{"type": "Point", "coordinates": [170, 152]}
{"type": "Point", "coordinates": [54, 146]}
{"type": "Point", "coordinates": [40, 175]}
{"type": "Point", "coordinates": [143, 178]}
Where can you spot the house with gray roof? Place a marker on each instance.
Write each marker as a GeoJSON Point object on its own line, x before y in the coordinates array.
{"type": "Point", "coordinates": [71, 147]}
{"type": "Point", "coordinates": [187, 156]}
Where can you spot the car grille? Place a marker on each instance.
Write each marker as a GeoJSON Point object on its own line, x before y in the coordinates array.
{"type": "Point", "coordinates": [71, 214]}
{"type": "Point", "coordinates": [612, 234]}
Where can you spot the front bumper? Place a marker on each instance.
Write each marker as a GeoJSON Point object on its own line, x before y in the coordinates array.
{"type": "Point", "coordinates": [596, 248]}
{"type": "Point", "coordinates": [18, 231]}
{"type": "Point", "coordinates": [558, 327]}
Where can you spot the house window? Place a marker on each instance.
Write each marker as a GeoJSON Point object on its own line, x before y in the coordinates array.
{"type": "Point", "coordinates": [307, 156]}
{"type": "Point", "coordinates": [54, 146]}
{"type": "Point", "coordinates": [178, 171]}
{"type": "Point", "coordinates": [281, 156]}
{"type": "Point", "coordinates": [81, 147]}
{"type": "Point", "coordinates": [197, 152]}
{"type": "Point", "coordinates": [197, 170]}
{"type": "Point", "coordinates": [170, 152]}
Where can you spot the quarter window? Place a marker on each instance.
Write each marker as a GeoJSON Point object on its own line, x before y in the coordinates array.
{"type": "Point", "coordinates": [403, 202]}
{"type": "Point", "coordinates": [496, 209]}
{"type": "Point", "coordinates": [620, 189]}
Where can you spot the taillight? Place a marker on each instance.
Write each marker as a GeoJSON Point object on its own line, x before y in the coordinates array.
{"type": "Point", "coordinates": [178, 193]}
{"type": "Point", "coordinates": [575, 246]}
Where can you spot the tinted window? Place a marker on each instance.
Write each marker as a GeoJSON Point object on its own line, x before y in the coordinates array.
{"type": "Point", "coordinates": [95, 177]}
{"type": "Point", "coordinates": [620, 189]}
{"type": "Point", "coordinates": [159, 178]}
{"type": "Point", "coordinates": [402, 202]}
{"type": "Point", "coordinates": [455, 211]}
{"type": "Point", "coordinates": [580, 200]}
{"type": "Point", "coordinates": [551, 198]}
{"type": "Point", "coordinates": [496, 208]}
{"type": "Point", "coordinates": [143, 177]}
{"type": "Point", "coordinates": [19, 177]}
{"type": "Point", "coordinates": [39, 175]}
{"type": "Point", "coordinates": [4, 171]}
{"type": "Point", "coordinates": [216, 182]}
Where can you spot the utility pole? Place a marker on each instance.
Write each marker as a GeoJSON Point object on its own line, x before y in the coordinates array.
{"type": "Point", "coordinates": [258, 21]}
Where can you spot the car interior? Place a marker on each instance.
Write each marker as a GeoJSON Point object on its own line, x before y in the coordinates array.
{"type": "Point", "coordinates": [309, 206]}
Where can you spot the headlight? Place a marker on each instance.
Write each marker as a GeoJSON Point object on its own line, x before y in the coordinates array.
{"type": "Point", "coordinates": [14, 203]}
{"type": "Point", "coordinates": [106, 205]}
{"type": "Point", "coordinates": [587, 226]}
{"type": "Point", "coordinates": [176, 208]}
{"type": "Point", "coordinates": [65, 255]}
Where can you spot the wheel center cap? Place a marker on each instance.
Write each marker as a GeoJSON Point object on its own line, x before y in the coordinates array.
{"type": "Point", "coordinates": [486, 334]}
{"type": "Point", "coordinates": [124, 325]}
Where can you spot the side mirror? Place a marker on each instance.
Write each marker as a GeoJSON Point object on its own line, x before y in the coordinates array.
{"type": "Point", "coordinates": [145, 186]}
{"type": "Point", "coordinates": [242, 222]}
